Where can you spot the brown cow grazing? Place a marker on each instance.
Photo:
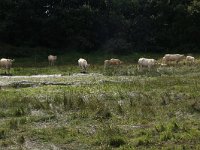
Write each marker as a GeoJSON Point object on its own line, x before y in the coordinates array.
{"type": "Point", "coordinates": [112, 62]}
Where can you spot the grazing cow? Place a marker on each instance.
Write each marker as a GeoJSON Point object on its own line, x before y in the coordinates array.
{"type": "Point", "coordinates": [145, 62]}
{"type": "Point", "coordinates": [190, 59]}
{"type": "Point", "coordinates": [112, 61]}
{"type": "Point", "coordinates": [83, 65]}
{"type": "Point", "coordinates": [172, 57]}
{"type": "Point", "coordinates": [6, 64]}
{"type": "Point", "coordinates": [52, 59]}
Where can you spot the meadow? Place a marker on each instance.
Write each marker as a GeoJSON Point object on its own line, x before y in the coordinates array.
{"type": "Point", "coordinates": [116, 108]}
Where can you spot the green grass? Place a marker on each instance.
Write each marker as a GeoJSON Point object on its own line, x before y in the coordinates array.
{"type": "Point", "coordinates": [116, 108]}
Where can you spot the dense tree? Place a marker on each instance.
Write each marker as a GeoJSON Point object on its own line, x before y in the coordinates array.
{"type": "Point", "coordinates": [112, 25]}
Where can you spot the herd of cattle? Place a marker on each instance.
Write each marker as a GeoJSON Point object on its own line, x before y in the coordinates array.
{"type": "Point", "coordinates": [166, 60]}
{"type": "Point", "coordinates": [142, 62]}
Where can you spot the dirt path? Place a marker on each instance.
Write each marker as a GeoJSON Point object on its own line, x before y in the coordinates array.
{"type": "Point", "coordinates": [39, 80]}
{"type": "Point", "coordinates": [58, 79]}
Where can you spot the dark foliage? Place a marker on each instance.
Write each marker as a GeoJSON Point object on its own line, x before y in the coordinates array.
{"type": "Point", "coordinates": [115, 26]}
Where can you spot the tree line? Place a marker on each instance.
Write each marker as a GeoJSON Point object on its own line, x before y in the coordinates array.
{"type": "Point", "coordinates": [118, 26]}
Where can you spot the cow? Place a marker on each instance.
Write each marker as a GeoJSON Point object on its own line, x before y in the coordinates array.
{"type": "Point", "coordinates": [82, 63]}
{"type": "Point", "coordinates": [6, 64]}
{"type": "Point", "coordinates": [112, 62]}
{"type": "Point", "coordinates": [190, 59]}
{"type": "Point", "coordinates": [52, 59]}
{"type": "Point", "coordinates": [173, 58]}
{"type": "Point", "coordinates": [146, 62]}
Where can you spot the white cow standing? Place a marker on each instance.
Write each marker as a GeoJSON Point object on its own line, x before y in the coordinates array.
{"type": "Point", "coordinates": [146, 62]}
{"type": "Point", "coordinates": [52, 59]}
{"type": "Point", "coordinates": [83, 65]}
{"type": "Point", "coordinates": [6, 64]}
{"type": "Point", "coordinates": [190, 59]}
{"type": "Point", "coordinates": [172, 57]}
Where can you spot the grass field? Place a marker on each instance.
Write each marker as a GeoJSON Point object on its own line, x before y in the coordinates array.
{"type": "Point", "coordinates": [116, 108]}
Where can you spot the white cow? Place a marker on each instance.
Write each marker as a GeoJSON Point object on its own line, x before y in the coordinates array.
{"type": "Point", "coordinates": [190, 59]}
{"type": "Point", "coordinates": [172, 57]}
{"type": "Point", "coordinates": [6, 64]}
{"type": "Point", "coordinates": [52, 59]}
{"type": "Point", "coordinates": [112, 61]}
{"type": "Point", "coordinates": [145, 62]}
{"type": "Point", "coordinates": [83, 65]}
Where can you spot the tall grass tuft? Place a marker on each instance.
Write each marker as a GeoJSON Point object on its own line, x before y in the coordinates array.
{"type": "Point", "coordinates": [19, 112]}
{"type": "Point", "coordinates": [116, 141]}
{"type": "Point", "coordinates": [21, 139]}
{"type": "Point", "coordinates": [14, 124]}
{"type": "Point", "coordinates": [3, 133]}
{"type": "Point", "coordinates": [195, 106]}
{"type": "Point", "coordinates": [67, 101]}
{"type": "Point", "coordinates": [103, 113]}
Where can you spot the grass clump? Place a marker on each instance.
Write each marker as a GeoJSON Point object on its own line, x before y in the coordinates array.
{"type": "Point", "coordinates": [3, 133]}
{"type": "Point", "coordinates": [195, 106]}
{"type": "Point", "coordinates": [19, 112]}
{"type": "Point", "coordinates": [21, 139]}
{"type": "Point", "coordinates": [165, 136]}
{"type": "Point", "coordinates": [14, 124]}
{"type": "Point", "coordinates": [143, 141]}
{"type": "Point", "coordinates": [116, 141]}
{"type": "Point", "coordinates": [103, 113]}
